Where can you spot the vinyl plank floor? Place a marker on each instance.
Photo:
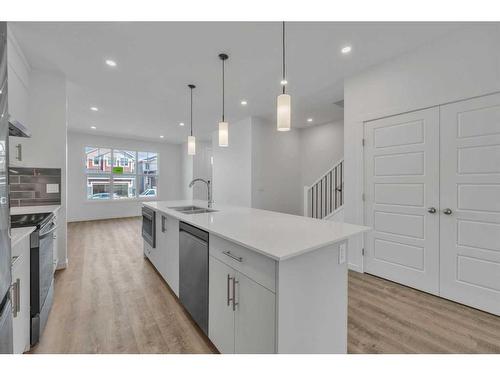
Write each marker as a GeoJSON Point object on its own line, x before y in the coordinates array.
{"type": "Point", "coordinates": [111, 300]}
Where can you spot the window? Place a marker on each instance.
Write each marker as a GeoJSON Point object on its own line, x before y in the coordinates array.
{"type": "Point", "coordinates": [127, 182]}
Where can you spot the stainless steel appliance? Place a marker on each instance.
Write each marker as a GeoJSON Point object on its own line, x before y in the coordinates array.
{"type": "Point", "coordinates": [5, 261]}
{"type": "Point", "coordinates": [149, 226]}
{"type": "Point", "coordinates": [193, 273]}
{"type": "Point", "coordinates": [41, 267]}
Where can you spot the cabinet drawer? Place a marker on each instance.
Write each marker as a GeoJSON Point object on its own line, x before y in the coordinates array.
{"type": "Point", "coordinates": [256, 266]}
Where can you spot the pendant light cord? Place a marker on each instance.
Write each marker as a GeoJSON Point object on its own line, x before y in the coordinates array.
{"type": "Point", "coordinates": [223, 90]}
{"type": "Point", "coordinates": [191, 110]}
{"type": "Point", "coordinates": [284, 71]}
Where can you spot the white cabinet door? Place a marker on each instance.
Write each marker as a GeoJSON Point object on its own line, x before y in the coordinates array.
{"type": "Point", "coordinates": [255, 314]}
{"type": "Point", "coordinates": [470, 188]}
{"type": "Point", "coordinates": [155, 254]}
{"type": "Point", "coordinates": [171, 262]}
{"type": "Point", "coordinates": [220, 310]}
{"type": "Point", "coordinates": [401, 184]}
{"type": "Point", "coordinates": [21, 282]}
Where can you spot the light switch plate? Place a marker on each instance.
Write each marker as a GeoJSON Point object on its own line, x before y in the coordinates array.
{"type": "Point", "coordinates": [342, 253]}
{"type": "Point", "coordinates": [52, 188]}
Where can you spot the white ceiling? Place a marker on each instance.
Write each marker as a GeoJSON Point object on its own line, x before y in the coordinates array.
{"type": "Point", "coordinates": [146, 95]}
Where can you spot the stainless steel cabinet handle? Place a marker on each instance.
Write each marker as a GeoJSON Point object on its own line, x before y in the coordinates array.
{"type": "Point", "coordinates": [234, 293]}
{"type": "Point", "coordinates": [229, 299]}
{"type": "Point", "coordinates": [228, 253]}
{"type": "Point", "coordinates": [163, 222]}
{"type": "Point", "coordinates": [19, 155]}
{"type": "Point", "coordinates": [431, 210]}
{"type": "Point", "coordinates": [18, 296]}
{"type": "Point", "coordinates": [447, 211]}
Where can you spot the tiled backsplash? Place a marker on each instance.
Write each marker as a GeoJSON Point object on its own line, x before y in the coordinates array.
{"type": "Point", "coordinates": [28, 186]}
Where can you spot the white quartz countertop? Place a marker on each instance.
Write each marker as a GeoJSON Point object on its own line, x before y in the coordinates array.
{"type": "Point", "coordinates": [33, 209]}
{"type": "Point", "coordinates": [276, 235]}
{"type": "Point", "coordinates": [17, 234]}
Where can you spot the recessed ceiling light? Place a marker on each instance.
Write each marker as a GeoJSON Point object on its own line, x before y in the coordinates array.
{"type": "Point", "coordinates": [95, 109]}
{"type": "Point", "coordinates": [111, 63]}
{"type": "Point", "coordinates": [161, 136]}
{"type": "Point", "coordinates": [93, 127]}
{"type": "Point", "coordinates": [346, 49]}
{"type": "Point", "coordinates": [284, 82]}
{"type": "Point", "coordinates": [181, 124]}
{"type": "Point", "coordinates": [309, 120]}
{"type": "Point", "coordinates": [244, 102]}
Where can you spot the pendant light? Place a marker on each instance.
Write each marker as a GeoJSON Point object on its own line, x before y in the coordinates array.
{"type": "Point", "coordinates": [223, 125]}
{"type": "Point", "coordinates": [191, 138]}
{"type": "Point", "coordinates": [284, 100]}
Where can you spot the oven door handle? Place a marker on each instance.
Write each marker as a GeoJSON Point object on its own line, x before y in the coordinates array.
{"type": "Point", "coordinates": [53, 228]}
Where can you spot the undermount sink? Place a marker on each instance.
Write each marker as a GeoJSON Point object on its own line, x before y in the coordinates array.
{"type": "Point", "coordinates": [190, 210]}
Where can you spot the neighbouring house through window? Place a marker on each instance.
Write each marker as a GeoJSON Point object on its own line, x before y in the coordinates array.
{"type": "Point", "coordinates": [136, 177]}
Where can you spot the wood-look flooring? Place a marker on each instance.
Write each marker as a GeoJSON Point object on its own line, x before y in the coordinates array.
{"type": "Point", "coordinates": [111, 300]}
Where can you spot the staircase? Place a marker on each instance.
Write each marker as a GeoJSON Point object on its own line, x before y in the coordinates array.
{"type": "Point", "coordinates": [324, 199]}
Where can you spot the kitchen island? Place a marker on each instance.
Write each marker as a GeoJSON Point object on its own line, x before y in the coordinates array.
{"type": "Point", "coordinates": [277, 283]}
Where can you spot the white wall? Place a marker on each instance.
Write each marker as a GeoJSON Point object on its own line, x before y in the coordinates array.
{"type": "Point", "coordinates": [321, 146]}
{"type": "Point", "coordinates": [187, 171]}
{"type": "Point", "coordinates": [79, 209]}
{"type": "Point", "coordinates": [267, 169]}
{"type": "Point", "coordinates": [202, 169]}
{"type": "Point", "coordinates": [232, 169]}
{"type": "Point", "coordinates": [276, 172]}
{"type": "Point", "coordinates": [461, 65]}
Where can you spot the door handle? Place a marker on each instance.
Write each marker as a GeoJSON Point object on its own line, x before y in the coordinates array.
{"type": "Point", "coordinates": [229, 299]}
{"type": "Point", "coordinates": [447, 211]}
{"type": "Point", "coordinates": [234, 293]}
{"type": "Point", "coordinates": [431, 210]}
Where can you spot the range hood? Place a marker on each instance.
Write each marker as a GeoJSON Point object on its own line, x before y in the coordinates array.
{"type": "Point", "coordinates": [16, 129]}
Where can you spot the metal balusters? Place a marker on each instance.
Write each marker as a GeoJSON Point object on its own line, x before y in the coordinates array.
{"type": "Point", "coordinates": [326, 195]}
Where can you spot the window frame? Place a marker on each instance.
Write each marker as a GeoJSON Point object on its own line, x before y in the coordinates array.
{"type": "Point", "coordinates": [108, 162]}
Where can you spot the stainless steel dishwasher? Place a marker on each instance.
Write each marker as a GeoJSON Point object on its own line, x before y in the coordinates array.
{"type": "Point", "coordinates": [193, 273]}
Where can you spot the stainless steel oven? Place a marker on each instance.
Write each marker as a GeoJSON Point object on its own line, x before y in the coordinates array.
{"type": "Point", "coordinates": [148, 226]}
{"type": "Point", "coordinates": [41, 267]}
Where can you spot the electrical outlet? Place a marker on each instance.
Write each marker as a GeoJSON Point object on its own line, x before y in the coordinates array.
{"type": "Point", "coordinates": [52, 188]}
{"type": "Point", "coordinates": [342, 253]}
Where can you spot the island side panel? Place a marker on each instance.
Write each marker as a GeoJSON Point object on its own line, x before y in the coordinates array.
{"type": "Point", "coordinates": [312, 303]}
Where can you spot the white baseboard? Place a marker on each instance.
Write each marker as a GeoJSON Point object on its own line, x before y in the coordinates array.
{"type": "Point", "coordinates": [354, 267]}
{"type": "Point", "coordinates": [62, 265]}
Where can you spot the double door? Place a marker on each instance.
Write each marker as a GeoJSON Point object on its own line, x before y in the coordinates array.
{"type": "Point", "coordinates": [241, 312]}
{"type": "Point", "coordinates": [432, 197]}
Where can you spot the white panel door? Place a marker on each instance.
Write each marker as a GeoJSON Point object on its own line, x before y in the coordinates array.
{"type": "Point", "coordinates": [401, 188]}
{"type": "Point", "coordinates": [470, 189]}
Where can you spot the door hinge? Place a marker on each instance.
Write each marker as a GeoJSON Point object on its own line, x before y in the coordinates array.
{"type": "Point", "coordinates": [363, 251]}
{"type": "Point", "coordinates": [362, 141]}
{"type": "Point", "coordinates": [363, 197]}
